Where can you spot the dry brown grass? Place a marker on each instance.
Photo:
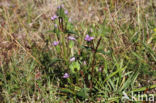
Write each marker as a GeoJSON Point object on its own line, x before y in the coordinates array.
{"type": "Point", "coordinates": [27, 25]}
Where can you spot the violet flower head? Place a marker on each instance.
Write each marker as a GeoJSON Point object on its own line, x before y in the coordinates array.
{"type": "Point", "coordinates": [54, 17]}
{"type": "Point", "coordinates": [58, 7]}
{"type": "Point", "coordinates": [88, 38]}
{"type": "Point", "coordinates": [55, 25]}
{"type": "Point", "coordinates": [66, 12]}
{"type": "Point", "coordinates": [69, 20]}
{"type": "Point", "coordinates": [84, 62]}
{"type": "Point", "coordinates": [100, 69]}
{"type": "Point", "coordinates": [71, 38]}
{"type": "Point", "coordinates": [72, 59]}
{"type": "Point", "coordinates": [55, 43]}
{"type": "Point", "coordinates": [61, 6]}
{"type": "Point", "coordinates": [66, 75]}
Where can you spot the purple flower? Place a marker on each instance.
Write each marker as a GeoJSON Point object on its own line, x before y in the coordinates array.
{"type": "Point", "coordinates": [72, 59]}
{"type": "Point", "coordinates": [100, 69]}
{"type": "Point", "coordinates": [88, 38]}
{"type": "Point", "coordinates": [66, 12]}
{"type": "Point", "coordinates": [61, 6]}
{"type": "Point", "coordinates": [69, 20]}
{"type": "Point", "coordinates": [71, 38]}
{"type": "Point", "coordinates": [54, 17]}
{"type": "Point", "coordinates": [66, 75]}
{"type": "Point", "coordinates": [55, 43]}
{"type": "Point", "coordinates": [55, 25]}
{"type": "Point", "coordinates": [84, 62]}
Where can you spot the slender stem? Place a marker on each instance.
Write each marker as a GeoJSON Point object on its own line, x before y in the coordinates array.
{"type": "Point", "coordinates": [93, 62]}
{"type": "Point", "coordinates": [95, 51]}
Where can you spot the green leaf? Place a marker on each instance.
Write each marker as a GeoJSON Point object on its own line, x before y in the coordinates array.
{"type": "Point", "coordinates": [74, 67]}
{"type": "Point", "coordinates": [114, 73]}
{"type": "Point", "coordinates": [71, 44]}
{"type": "Point", "coordinates": [103, 52]}
{"type": "Point", "coordinates": [83, 92]}
{"type": "Point", "coordinates": [129, 81]}
{"type": "Point", "coordinates": [144, 88]}
{"type": "Point", "coordinates": [66, 90]}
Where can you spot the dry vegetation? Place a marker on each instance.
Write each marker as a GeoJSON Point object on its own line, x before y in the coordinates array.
{"type": "Point", "coordinates": [128, 39]}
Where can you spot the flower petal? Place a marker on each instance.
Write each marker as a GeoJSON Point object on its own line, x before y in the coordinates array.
{"type": "Point", "coordinates": [66, 75]}
{"type": "Point", "coordinates": [72, 59]}
{"type": "Point", "coordinates": [71, 38]}
{"type": "Point", "coordinates": [55, 43]}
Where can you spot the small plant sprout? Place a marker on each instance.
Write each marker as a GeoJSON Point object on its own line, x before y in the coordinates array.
{"type": "Point", "coordinates": [66, 75]}
{"type": "Point", "coordinates": [55, 43]}
{"type": "Point", "coordinates": [88, 38]}
{"type": "Point", "coordinates": [72, 59]}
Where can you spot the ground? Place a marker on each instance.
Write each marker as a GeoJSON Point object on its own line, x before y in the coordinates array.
{"type": "Point", "coordinates": [91, 52]}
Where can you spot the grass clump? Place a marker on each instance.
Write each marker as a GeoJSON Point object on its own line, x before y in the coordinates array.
{"type": "Point", "coordinates": [63, 57]}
